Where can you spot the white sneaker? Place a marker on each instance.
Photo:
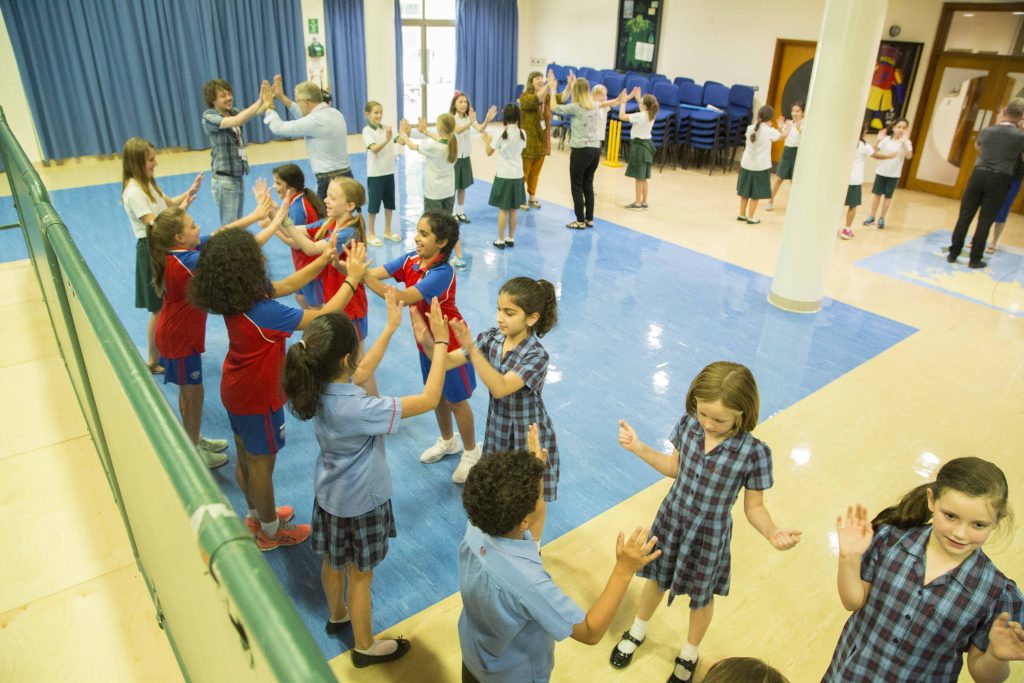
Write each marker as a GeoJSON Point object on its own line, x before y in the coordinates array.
{"type": "Point", "coordinates": [441, 448]}
{"type": "Point", "coordinates": [215, 445]}
{"type": "Point", "coordinates": [211, 459]}
{"type": "Point", "coordinates": [469, 458]}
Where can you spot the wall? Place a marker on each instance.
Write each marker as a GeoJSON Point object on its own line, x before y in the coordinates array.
{"type": "Point", "coordinates": [985, 31]}
{"type": "Point", "coordinates": [731, 41]}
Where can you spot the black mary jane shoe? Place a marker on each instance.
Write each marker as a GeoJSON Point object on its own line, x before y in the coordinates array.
{"type": "Point", "coordinates": [689, 665]}
{"type": "Point", "coordinates": [360, 660]}
{"type": "Point", "coordinates": [620, 660]}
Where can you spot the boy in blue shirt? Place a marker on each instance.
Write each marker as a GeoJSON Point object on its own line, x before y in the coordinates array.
{"type": "Point", "coordinates": [512, 611]}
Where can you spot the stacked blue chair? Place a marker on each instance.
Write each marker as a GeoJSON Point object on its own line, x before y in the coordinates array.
{"type": "Point", "coordinates": [664, 131]}
{"type": "Point", "coordinates": [707, 131]}
{"type": "Point", "coordinates": [614, 82]}
{"type": "Point", "coordinates": [740, 112]}
{"type": "Point", "coordinates": [691, 97]}
{"type": "Point", "coordinates": [679, 80]}
{"type": "Point", "coordinates": [632, 82]}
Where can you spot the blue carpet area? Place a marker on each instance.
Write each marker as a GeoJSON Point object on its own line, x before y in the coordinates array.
{"type": "Point", "coordinates": [638, 318]}
{"type": "Point", "coordinates": [923, 261]}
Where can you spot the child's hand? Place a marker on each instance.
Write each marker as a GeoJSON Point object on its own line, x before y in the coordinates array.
{"type": "Point", "coordinates": [627, 437]}
{"type": "Point", "coordinates": [637, 552]}
{"type": "Point", "coordinates": [421, 125]}
{"type": "Point", "coordinates": [471, 113]}
{"type": "Point", "coordinates": [438, 321]}
{"type": "Point", "coordinates": [278, 86]}
{"type": "Point", "coordinates": [420, 331]}
{"type": "Point", "coordinates": [784, 539]}
{"type": "Point", "coordinates": [394, 308]}
{"type": "Point", "coordinates": [266, 95]}
{"type": "Point", "coordinates": [194, 187]}
{"type": "Point", "coordinates": [462, 334]}
{"type": "Point", "coordinates": [636, 94]}
{"type": "Point", "coordinates": [856, 534]}
{"type": "Point", "coordinates": [355, 258]}
{"type": "Point", "coordinates": [551, 76]}
{"type": "Point", "coordinates": [388, 133]}
{"type": "Point", "coordinates": [282, 210]}
{"type": "Point", "coordinates": [623, 96]}
{"type": "Point", "coordinates": [1006, 639]}
{"type": "Point", "coordinates": [533, 444]}
{"type": "Point", "coordinates": [780, 122]}
{"type": "Point", "coordinates": [491, 113]}
{"type": "Point", "coordinates": [404, 128]}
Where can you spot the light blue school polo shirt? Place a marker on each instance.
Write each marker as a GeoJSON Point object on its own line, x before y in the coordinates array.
{"type": "Point", "coordinates": [512, 612]}
{"type": "Point", "coordinates": [352, 475]}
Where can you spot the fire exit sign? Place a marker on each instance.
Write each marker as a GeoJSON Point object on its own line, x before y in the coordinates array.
{"type": "Point", "coordinates": [314, 25]}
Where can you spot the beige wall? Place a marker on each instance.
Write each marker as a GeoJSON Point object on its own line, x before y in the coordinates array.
{"type": "Point", "coordinates": [15, 102]}
{"type": "Point", "coordinates": [731, 41]}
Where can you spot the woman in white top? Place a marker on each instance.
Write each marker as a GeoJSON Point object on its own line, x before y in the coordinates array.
{"type": "Point", "coordinates": [894, 143]}
{"type": "Point", "coordinates": [507, 192]}
{"type": "Point", "coordinates": [792, 129]}
{"type": "Point", "coordinates": [143, 200]}
{"type": "Point", "coordinates": [755, 181]}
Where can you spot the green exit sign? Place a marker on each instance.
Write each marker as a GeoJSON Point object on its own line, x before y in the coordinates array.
{"type": "Point", "coordinates": [314, 25]}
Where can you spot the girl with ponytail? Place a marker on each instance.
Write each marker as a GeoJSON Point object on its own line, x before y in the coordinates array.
{"type": "Point", "coordinates": [305, 208]}
{"type": "Point", "coordinates": [922, 591]}
{"type": "Point", "coordinates": [513, 365]}
{"type": "Point", "coordinates": [440, 151]}
{"type": "Point", "coordinates": [352, 515]}
{"type": "Point", "coordinates": [755, 179]}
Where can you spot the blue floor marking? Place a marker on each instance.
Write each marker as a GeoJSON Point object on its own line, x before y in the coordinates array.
{"type": "Point", "coordinates": [638, 317]}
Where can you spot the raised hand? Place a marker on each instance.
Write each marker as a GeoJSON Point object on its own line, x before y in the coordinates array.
{"type": "Point", "coordinates": [421, 125]}
{"type": "Point", "coordinates": [388, 133]}
{"type": "Point", "coordinates": [394, 308]}
{"type": "Point", "coordinates": [491, 113]}
{"type": "Point", "coordinates": [551, 76]}
{"type": "Point", "coordinates": [636, 94]}
{"type": "Point", "coordinates": [278, 86]}
{"type": "Point", "coordinates": [1006, 639]}
{"type": "Point", "coordinates": [627, 437]}
{"type": "Point", "coordinates": [471, 113]}
{"type": "Point", "coordinates": [462, 334]}
{"type": "Point", "coordinates": [438, 321]}
{"type": "Point", "coordinates": [404, 128]}
{"type": "Point", "coordinates": [855, 533]}
{"type": "Point", "coordinates": [259, 188]}
{"type": "Point", "coordinates": [784, 539]}
{"type": "Point", "coordinates": [194, 187]}
{"type": "Point", "coordinates": [780, 122]}
{"type": "Point", "coordinates": [355, 258]}
{"type": "Point", "coordinates": [533, 444]}
{"type": "Point", "coordinates": [637, 552]}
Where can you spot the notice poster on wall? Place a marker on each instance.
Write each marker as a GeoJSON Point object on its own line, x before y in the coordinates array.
{"type": "Point", "coordinates": [637, 38]}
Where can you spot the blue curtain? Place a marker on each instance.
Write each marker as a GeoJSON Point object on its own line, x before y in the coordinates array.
{"type": "Point", "coordinates": [346, 54]}
{"type": "Point", "coordinates": [99, 72]}
{"type": "Point", "coordinates": [486, 39]}
{"type": "Point", "coordinates": [399, 82]}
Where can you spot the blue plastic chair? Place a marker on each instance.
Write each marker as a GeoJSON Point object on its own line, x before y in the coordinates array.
{"type": "Point", "coordinates": [679, 80]}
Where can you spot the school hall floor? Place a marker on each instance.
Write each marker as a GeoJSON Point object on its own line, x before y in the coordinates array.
{"type": "Point", "coordinates": [910, 363]}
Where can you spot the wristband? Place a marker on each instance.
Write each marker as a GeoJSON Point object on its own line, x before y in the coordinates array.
{"type": "Point", "coordinates": [350, 285]}
{"type": "Point", "coordinates": [440, 342]}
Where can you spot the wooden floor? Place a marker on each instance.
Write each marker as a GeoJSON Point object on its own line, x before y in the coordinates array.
{"type": "Point", "coordinates": [74, 605]}
{"type": "Point", "coordinates": [954, 388]}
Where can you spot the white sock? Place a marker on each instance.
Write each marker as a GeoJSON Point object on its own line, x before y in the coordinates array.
{"type": "Point", "coordinates": [344, 620]}
{"type": "Point", "coordinates": [639, 631]}
{"type": "Point", "coordinates": [380, 648]}
{"type": "Point", "coordinates": [688, 651]}
{"type": "Point", "coordinates": [270, 529]}
{"type": "Point", "coordinates": [253, 514]}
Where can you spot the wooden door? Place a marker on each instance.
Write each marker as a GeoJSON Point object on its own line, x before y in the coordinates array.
{"type": "Point", "coordinates": [791, 79]}
{"type": "Point", "coordinates": [967, 92]}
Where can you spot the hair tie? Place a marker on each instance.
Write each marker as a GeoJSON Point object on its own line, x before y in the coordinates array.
{"type": "Point", "coordinates": [302, 343]}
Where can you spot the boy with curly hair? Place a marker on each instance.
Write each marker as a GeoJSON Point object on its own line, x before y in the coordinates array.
{"type": "Point", "coordinates": [512, 611]}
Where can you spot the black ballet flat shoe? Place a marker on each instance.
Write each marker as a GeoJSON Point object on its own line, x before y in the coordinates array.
{"type": "Point", "coordinates": [690, 666]}
{"type": "Point", "coordinates": [620, 660]}
{"type": "Point", "coordinates": [360, 660]}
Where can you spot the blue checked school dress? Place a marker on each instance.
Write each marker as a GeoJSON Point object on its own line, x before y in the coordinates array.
{"type": "Point", "coordinates": [509, 418]}
{"type": "Point", "coordinates": [694, 522]}
{"type": "Point", "coordinates": [909, 631]}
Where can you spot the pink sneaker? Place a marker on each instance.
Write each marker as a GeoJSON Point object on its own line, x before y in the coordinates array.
{"type": "Point", "coordinates": [287, 534]}
{"type": "Point", "coordinates": [846, 234]}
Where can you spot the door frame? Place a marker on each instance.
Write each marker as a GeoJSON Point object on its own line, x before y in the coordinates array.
{"type": "Point", "coordinates": [422, 25]}
{"type": "Point", "coordinates": [773, 84]}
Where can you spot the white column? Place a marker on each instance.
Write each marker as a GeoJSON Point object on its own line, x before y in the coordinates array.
{"type": "Point", "coordinates": [847, 47]}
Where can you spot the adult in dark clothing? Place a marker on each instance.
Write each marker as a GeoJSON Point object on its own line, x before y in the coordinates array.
{"type": "Point", "coordinates": [999, 149]}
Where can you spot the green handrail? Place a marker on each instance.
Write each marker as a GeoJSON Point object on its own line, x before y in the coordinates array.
{"type": "Point", "coordinates": [266, 614]}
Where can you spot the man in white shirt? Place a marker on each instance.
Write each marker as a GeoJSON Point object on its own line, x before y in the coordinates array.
{"type": "Point", "coordinates": [322, 127]}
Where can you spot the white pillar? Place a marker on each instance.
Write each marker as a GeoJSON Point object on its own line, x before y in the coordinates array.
{"type": "Point", "coordinates": [843, 64]}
